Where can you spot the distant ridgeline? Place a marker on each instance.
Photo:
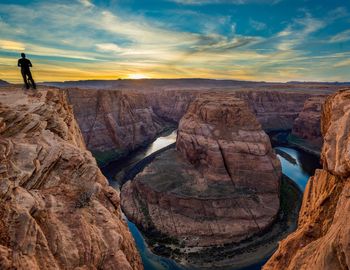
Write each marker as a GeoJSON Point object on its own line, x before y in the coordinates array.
{"type": "Point", "coordinates": [4, 83]}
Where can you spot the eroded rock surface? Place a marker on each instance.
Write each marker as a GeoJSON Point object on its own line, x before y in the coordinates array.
{"type": "Point", "coordinates": [323, 235]}
{"type": "Point", "coordinates": [307, 126]}
{"type": "Point", "coordinates": [57, 210]}
{"type": "Point", "coordinates": [115, 122]}
{"type": "Point", "coordinates": [220, 186]}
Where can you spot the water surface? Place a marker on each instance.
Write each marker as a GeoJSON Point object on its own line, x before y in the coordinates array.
{"type": "Point", "coordinates": [299, 171]}
{"type": "Point", "coordinates": [304, 167]}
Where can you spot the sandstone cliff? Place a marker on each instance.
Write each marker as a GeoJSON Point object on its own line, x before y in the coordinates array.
{"type": "Point", "coordinates": [323, 235]}
{"type": "Point", "coordinates": [275, 110]}
{"type": "Point", "coordinates": [56, 208]}
{"type": "Point", "coordinates": [220, 186]}
{"type": "Point", "coordinates": [115, 122]}
{"type": "Point", "coordinates": [307, 126]}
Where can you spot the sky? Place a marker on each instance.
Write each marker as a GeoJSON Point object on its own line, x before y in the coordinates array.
{"type": "Point", "coordinates": [261, 40]}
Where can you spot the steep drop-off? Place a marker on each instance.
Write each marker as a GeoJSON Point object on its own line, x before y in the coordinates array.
{"type": "Point", "coordinates": [306, 132]}
{"type": "Point", "coordinates": [220, 186]}
{"type": "Point", "coordinates": [115, 122]}
{"type": "Point", "coordinates": [275, 110]}
{"type": "Point", "coordinates": [322, 240]}
{"type": "Point", "coordinates": [57, 210]}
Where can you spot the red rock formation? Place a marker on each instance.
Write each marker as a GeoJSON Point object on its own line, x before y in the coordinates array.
{"type": "Point", "coordinates": [307, 126]}
{"type": "Point", "coordinates": [116, 122]}
{"type": "Point", "coordinates": [220, 186]}
{"type": "Point", "coordinates": [171, 105]}
{"type": "Point", "coordinates": [221, 137]}
{"type": "Point", "coordinates": [113, 122]}
{"type": "Point", "coordinates": [323, 235]}
{"type": "Point", "coordinates": [57, 210]}
{"type": "Point", "coordinates": [275, 110]}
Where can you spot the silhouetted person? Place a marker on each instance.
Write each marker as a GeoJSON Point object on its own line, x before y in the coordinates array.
{"type": "Point", "coordinates": [25, 65]}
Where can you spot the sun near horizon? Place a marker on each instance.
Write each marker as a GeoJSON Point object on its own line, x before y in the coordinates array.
{"type": "Point", "coordinates": [138, 76]}
{"type": "Point", "coordinates": [95, 39]}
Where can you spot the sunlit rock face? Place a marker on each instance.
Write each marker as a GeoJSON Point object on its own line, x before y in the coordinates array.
{"type": "Point", "coordinates": [221, 184]}
{"type": "Point", "coordinates": [222, 138]}
{"type": "Point", "coordinates": [323, 235]}
{"type": "Point", "coordinates": [57, 210]}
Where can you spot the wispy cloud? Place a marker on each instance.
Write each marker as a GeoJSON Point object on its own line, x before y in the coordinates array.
{"type": "Point", "coordinates": [341, 37]}
{"type": "Point", "coordinates": [298, 31]}
{"type": "Point", "coordinates": [257, 25]}
{"type": "Point", "coordinates": [86, 3]}
{"type": "Point", "coordinates": [11, 45]}
{"type": "Point", "coordinates": [82, 39]}
{"type": "Point", "coordinates": [343, 63]}
{"type": "Point", "coordinates": [234, 2]}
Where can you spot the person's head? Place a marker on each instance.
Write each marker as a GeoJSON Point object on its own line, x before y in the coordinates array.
{"type": "Point", "coordinates": [23, 55]}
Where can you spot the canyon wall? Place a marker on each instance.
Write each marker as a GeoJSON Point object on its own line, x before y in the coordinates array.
{"type": "Point", "coordinates": [57, 210]}
{"type": "Point", "coordinates": [322, 238]}
{"type": "Point", "coordinates": [115, 122]}
{"type": "Point", "coordinates": [275, 110]}
{"type": "Point", "coordinates": [307, 126]}
{"type": "Point", "coordinates": [220, 186]}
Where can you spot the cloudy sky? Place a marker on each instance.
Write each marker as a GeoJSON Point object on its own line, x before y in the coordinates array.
{"type": "Point", "coordinates": [272, 40]}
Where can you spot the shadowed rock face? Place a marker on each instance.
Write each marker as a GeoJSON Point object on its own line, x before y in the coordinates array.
{"type": "Point", "coordinates": [115, 122]}
{"type": "Point", "coordinates": [323, 235]}
{"type": "Point", "coordinates": [56, 208]}
{"type": "Point", "coordinates": [220, 186]}
{"type": "Point", "coordinates": [275, 110]}
{"type": "Point", "coordinates": [307, 125]}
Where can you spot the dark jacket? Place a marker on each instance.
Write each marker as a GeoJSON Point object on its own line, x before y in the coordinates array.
{"type": "Point", "coordinates": [24, 63]}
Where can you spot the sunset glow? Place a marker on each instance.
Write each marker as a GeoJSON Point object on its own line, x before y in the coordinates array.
{"type": "Point", "coordinates": [137, 76]}
{"type": "Point", "coordinates": [221, 39]}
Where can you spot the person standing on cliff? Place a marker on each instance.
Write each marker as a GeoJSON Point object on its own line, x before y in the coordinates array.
{"type": "Point", "coordinates": [25, 65]}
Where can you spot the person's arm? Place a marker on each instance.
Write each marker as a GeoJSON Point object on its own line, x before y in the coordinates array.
{"type": "Point", "coordinates": [30, 63]}
{"type": "Point", "coordinates": [18, 63]}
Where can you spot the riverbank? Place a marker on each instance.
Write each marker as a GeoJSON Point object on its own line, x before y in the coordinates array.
{"type": "Point", "coordinates": [106, 158]}
{"type": "Point", "coordinates": [303, 145]}
{"type": "Point", "coordinates": [149, 246]}
{"type": "Point", "coordinates": [285, 138]}
{"type": "Point", "coordinates": [115, 169]}
{"type": "Point", "coordinates": [249, 252]}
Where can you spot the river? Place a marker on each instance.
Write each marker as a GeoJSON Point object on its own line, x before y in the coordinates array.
{"type": "Point", "coordinates": [296, 164]}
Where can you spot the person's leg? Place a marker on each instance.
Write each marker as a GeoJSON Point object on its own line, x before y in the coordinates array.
{"type": "Point", "coordinates": [30, 77]}
{"type": "Point", "coordinates": [24, 75]}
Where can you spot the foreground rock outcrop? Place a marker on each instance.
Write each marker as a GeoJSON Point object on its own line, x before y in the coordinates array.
{"type": "Point", "coordinates": [57, 210]}
{"type": "Point", "coordinates": [323, 235]}
{"type": "Point", "coordinates": [220, 186]}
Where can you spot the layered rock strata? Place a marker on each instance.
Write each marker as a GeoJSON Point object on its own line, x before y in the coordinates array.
{"type": "Point", "coordinates": [115, 122]}
{"type": "Point", "coordinates": [57, 210]}
{"type": "Point", "coordinates": [307, 126]}
{"type": "Point", "coordinates": [275, 110]}
{"type": "Point", "coordinates": [323, 235]}
{"type": "Point", "coordinates": [220, 186]}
